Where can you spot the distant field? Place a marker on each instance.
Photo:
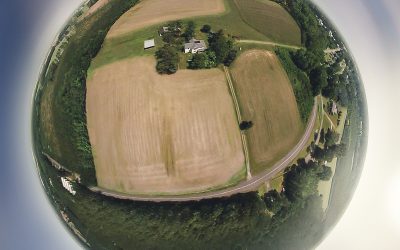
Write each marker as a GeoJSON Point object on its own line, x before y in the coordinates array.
{"type": "Point", "coordinates": [270, 19]}
{"type": "Point", "coordinates": [266, 98]}
{"type": "Point", "coordinates": [150, 12]}
{"type": "Point", "coordinates": [144, 26]}
{"type": "Point", "coordinates": [95, 7]}
{"type": "Point", "coordinates": [158, 134]}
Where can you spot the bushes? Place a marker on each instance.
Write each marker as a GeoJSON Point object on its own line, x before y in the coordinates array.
{"type": "Point", "coordinates": [206, 28]}
{"type": "Point", "coordinates": [167, 60]}
{"type": "Point", "coordinates": [222, 47]}
{"type": "Point", "coordinates": [300, 83]}
{"type": "Point", "coordinates": [204, 60]}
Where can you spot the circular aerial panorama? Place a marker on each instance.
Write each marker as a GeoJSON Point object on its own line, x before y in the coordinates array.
{"type": "Point", "coordinates": [220, 124]}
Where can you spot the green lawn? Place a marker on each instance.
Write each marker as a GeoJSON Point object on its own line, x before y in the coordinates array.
{"type": "Point", "coordinates": [230, 21]}
{"type": "Point", "coordinates": [276, 183]}
{"type": "Point", "coordinates": [126, 46]}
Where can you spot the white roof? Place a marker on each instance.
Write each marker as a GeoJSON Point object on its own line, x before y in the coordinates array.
{"type": "Point", "coordinates": [149, 43]}
{"type": "Point", "coordinates": [195, 44]}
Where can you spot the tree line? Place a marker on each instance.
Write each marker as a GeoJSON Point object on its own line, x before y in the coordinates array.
{"type": "Point", "coordinates": [69, 78]}
{"type": "Point", "coordinates": [324, 77]}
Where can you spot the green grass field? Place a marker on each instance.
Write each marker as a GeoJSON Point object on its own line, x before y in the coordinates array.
{"type": "Point", "coordinates": [270, 19]}
{"type": "Point", "coordinates": [131, 44]}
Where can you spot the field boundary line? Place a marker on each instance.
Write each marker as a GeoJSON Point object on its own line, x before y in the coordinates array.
{"type": "Point", "coordinates": [239, 117]}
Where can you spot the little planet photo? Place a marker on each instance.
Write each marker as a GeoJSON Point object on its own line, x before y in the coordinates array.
{"type": "Point", "coordinates": [212, 124]}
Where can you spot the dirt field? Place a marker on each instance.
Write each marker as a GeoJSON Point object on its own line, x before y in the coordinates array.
{"type": "Point", "coordinates": [266, 98]}
{"type": "Point", "coordinates": [150, 12]}
{"type": "Point", "coordinates": [161, 134]}
{"type": "Point", "coordinates": [270, 19]}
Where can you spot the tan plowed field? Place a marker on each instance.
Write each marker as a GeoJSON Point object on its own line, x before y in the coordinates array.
{"type": "Point", "coordinates": [161, 134]}
{"type": "Point", "coordinates": [266, 97]}
{"type": "Point", "coordinates": [150, 12]}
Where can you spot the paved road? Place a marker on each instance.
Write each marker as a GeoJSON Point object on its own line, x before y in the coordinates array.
{"type": "Point", "coordinates": [270, 43]}
{"type": "Point", "coordinates": [244, 187]}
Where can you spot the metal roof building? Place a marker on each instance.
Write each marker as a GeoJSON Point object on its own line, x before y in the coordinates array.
{"type": "Point", "coordinates": [149, 44]}
{"type": "Point", "coordinates": [195, 46]}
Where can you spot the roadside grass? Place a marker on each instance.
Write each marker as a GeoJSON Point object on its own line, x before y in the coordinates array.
{"type": "Point", "coordinates": [276, 183]}
{"type": "Point", "coordinates": [303, 153]}
{"type": "Point", "coordinates": [235, 179]}
{"type": "Point", "coordinates": [270, 19]}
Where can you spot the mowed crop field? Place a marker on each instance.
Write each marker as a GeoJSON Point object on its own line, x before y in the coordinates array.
{"type": "Point", "coordinates": [149, 12]}
{"type": "Point", "coordinates": [270, 19]}
{"type": "Point", "coordinates": [155, 134]}
{"type": "Point", "coordinates": [266, 97]}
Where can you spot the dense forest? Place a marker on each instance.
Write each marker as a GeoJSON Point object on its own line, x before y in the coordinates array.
{"type": "Point", "coordinates": [309, 71]}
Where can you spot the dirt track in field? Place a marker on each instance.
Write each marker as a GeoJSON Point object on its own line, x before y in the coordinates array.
{"type": "Point", "coordinates": [266, 97]}
{"type": "Point", "coordinates": [150, 12]}
{"type": "Point", "coordinates": [161, 134]}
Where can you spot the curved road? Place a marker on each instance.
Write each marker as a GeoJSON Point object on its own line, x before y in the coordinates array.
{"type": "Point", "coordinates": [243, 187]}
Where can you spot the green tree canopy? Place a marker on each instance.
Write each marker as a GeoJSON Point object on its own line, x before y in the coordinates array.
{"type": "Point", "coordinates": [167, 59]}
{"type": "Point", "coordinates": [204, 60]}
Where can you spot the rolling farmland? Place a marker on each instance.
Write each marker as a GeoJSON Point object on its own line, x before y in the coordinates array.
{"type": "Point", "coordinates": [270, 19]}
{"type": "Point", "coordinates": [150, 12]}
{"type": "Point", "coordinates": [155, 134]}
{"type": "Point", "coordinates": [266, 98]}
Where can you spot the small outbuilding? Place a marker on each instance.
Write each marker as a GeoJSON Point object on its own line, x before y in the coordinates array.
{"type": "Point", "coordinates": [149, 44]}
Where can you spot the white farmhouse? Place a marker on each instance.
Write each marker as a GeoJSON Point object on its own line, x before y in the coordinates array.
{"type": "Point", "coordinates": [194, 46]}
